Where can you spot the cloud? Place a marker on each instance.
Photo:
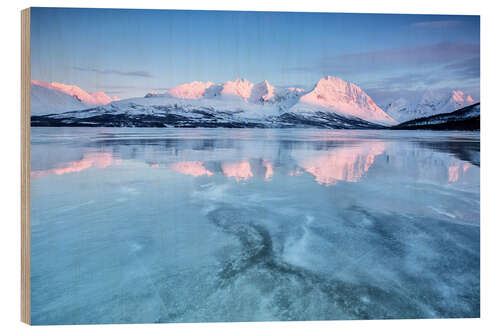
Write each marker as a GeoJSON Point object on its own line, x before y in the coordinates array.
{"type": "Point", "coordinates": [463, 75]}
{"type": "Point", "coordinates": [106, 86]}
{"type": "Point", "coordinates": [113, 92]}
{"type": "Point", "coordinates": [390, 59]}
{"type": "Point", "coordinates": [465, 69]}
{"type": "Point", "coordinates": [115, 72]}
{"type": "Point", "coordinates": [458, 71]}
{"type": "Point", "coordinates": [436, 24]}
{"type": "Point", "coordinates": [406, 85]}
{"type": "Point", "coordinates": [382, 96]}
{"type": "Point", "coordinates": [385, 74]}
{"type": "Point", "coordinates": [408, 80]}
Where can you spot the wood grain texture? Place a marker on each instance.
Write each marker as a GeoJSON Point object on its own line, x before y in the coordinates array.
{"type": "Point", "coordinates": [25, 167]}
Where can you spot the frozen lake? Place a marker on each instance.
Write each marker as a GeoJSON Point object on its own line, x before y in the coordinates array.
{"type": "Point", "coordinates": [191, 225]}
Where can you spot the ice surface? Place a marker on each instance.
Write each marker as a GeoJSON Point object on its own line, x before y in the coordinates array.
{"type": "Point", "coordinates": [188, 225]}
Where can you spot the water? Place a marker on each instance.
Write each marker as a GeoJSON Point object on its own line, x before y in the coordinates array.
{"type": "Point", "coordinates": [191, 225]}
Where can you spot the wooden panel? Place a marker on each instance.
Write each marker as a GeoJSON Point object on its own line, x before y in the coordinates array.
{"type": "Point", "coordinates": [25, 166]}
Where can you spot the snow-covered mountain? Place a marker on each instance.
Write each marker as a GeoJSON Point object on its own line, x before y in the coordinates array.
{"type": "Point", "coordinates": [97, 98]}
{"type": "Point", "coordinates": [330, 94]}
{"type": "Point", "coordinates": [466, 118]}
{"type": "Point", "coordinates": [345, 98]}
{"type": "Point", "coordinates": [430, 103]}
{"type": "Point", "coordinates": [262, 92]}
{"type": "Point", "coordinates": [57, 97]}
{"type": "Point", "coordinates": [193, 90]}
{"type": "Point", "coordinates": [46, 101]}
{"type": "Point", "coordinates": [332, 103]}
{"type": "Point", "coordinates": [239, 88]}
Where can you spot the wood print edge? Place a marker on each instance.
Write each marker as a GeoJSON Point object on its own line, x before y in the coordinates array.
{"type": "Point", "coordinates": [25, 167]}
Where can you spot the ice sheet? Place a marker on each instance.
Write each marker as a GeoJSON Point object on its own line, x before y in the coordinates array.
{"type": "Point", "coordinates": [189, 225]}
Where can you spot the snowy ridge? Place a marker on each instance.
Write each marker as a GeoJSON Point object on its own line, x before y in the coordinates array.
{"type": "Point", "coordinates": [337, 95]}
{"type": "Point", "coordinates": [467, 118]}
{"type": "Point", "coordinates": [193, 90]}
{"type": "Point", "coordinates": [262, 92]}
{"type": "Point", "coordinates": [239, 88]}
{"type": "Point", "coordinates": [430, 103]}
{"type": "Point", "coordinates": [331, 103]}
{"type": "Point", "coordinates": [97, 98]}
{"type": "Point", "coordinates": [330, 94]}
{"type": "Point", "coordinates": [47, 101]}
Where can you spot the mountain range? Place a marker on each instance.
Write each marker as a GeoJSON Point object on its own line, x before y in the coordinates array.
{"type": "Point", "coordinates": [430, 103]}
{"type": "Point", "coordinates": [331, 103]}
{"type": "Point", "coordinates": [467, 118]}
{"type": "Point", "coordinates": [54, 97]}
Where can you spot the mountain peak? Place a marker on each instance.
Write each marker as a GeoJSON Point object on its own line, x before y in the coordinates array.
{"type": "Point", "coordinates": [96, 98]}
{"type": "Point", "coordinates": [262, 92]}
{"type": "Point", "coordinates": [101, 98]}
{"type": "Point", "coordinates": [333, 81]}
{"type": "Point", "coordinates": [238, 88]}
{"type": "Point", "coordinates": [193, 90]}
{"type": "Point", "coordinates": [430, 103]}
{"type": "Point", "coordinates": [460, 97]}
{"type": "Point", "coordinates": [266, 83]}
{"type": "Point", "coordinates": [337, 95]}
{"type": "Point", "coordinates": [46, 100]}
{"type": "Point", "coordinates": [330, 78]}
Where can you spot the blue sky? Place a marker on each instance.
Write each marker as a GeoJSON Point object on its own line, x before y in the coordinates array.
{"type": "Point", "coordinates": [129, 52]}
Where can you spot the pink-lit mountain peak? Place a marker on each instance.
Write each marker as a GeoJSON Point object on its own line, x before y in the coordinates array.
{"type": "Point", "coordinates": [346, 98]}
{"type": "Point", "coordinates": [443, 102]}
{"type": "Point", "coordinates": [100, 98]}
{"type": "Point", "coordinates": [238, 88]}
{"type": "Point", "coordinates": [335, 90]}
{"type": "Point", "coordinates": [193, 90]}
{"type": "Point", "coordinates": [96, 98]}
{"type": "Point", "coordinates": [430, 103]}
{"type": "Point", "coordinates": [453, 96]}
{"type": "Point", "coordinates": [460, 97]}
{"type": "Point", "coordinates": [262, 92]}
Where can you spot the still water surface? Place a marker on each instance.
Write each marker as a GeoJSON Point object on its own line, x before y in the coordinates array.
{"type": "Point", "coordinates": [189, 225]}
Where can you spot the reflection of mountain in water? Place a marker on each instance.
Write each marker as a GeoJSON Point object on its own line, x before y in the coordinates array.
{"type": "Point", "coordinates": [348, 163]}
{"type": "Point", "coordinates": [343, 164]}
{"type": "Point", "coordinates": [99, 160]}
{"type": "Point", "coordinates": [328, 161]}
{"type": "Point", "coordinates": [468, 151]}
{"type": "Point", "coordinates": [243, 225]}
